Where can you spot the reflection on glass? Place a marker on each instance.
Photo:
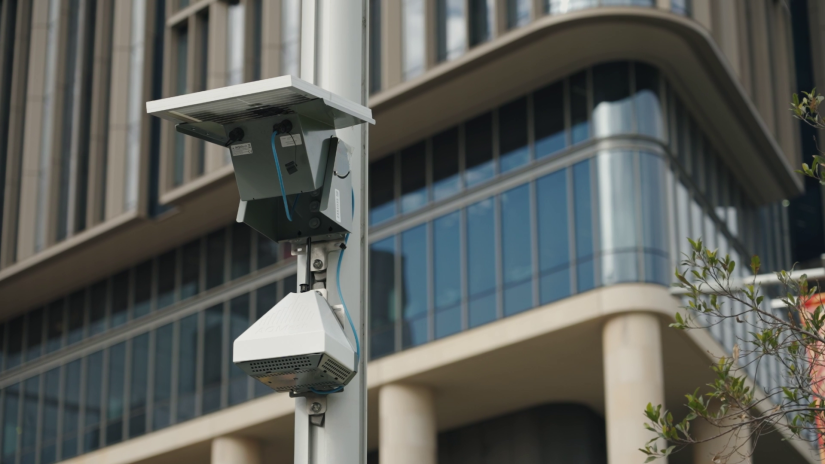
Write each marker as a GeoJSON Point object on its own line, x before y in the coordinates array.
{"type": "Point", "coordinates": [382, 297]}
{"type": "Point", "coordinates": [681, 7]}
{"type": "Point", "coordinates": [238, 322]}
{"type": "Point", "coordinates": [617, 218]}
{"type": "Point", "coordinates": [478, 135]}
{"type": "Point", "coordinates": [162, 391]}
{"type": "Point", "coordinates": [548, 110]}
{"type": "Point", "coordinates": [613, 111]}
{"type": "Point", "coordinates": [482, 18]}
{"type": "Point", "coordinates": [135, 107]}
{"type": "Point", "coordinates": [77, 316]}
{"type": "Point", "coordinates": [654, 211]}
{"type": "Point", "coordinates": [71, 409]}
{"type": "Point", "coordinates": [291, 37]}
{"type": "Point", "coordinates": [518, 13]}
{"type": "Point", "coordinates": [235, 42]}
{"type": "Point", "coordinates": [212, 358]}
{"type": "Point", "coordinates": [517, 266]}
{"type": "Point", "coordinates": [14, 350]}
{"type": "Point", "coordinates": [94, 399]}
{"type": "Point", "coordinates": [583, 216]}
{"type": "Point", "coordinates": [267, 251]}
{"type": "Point", "coordinates": [114, 402]}
{"type": "Point", "coordinates": [241, 249]}
{"type": "Point", "coordinates": [34, 334]}
{"type": "Point", "coordinates": [382, 190]}
{"type": "Point", "coordinates": [451, 35]}
{"type": "Point", "coordinates": [579, 119]}
{"type": "Point", "coordinates": [187, 366]}
{"type": "Point", "coordinates": [138, 387]}
{"type": "Point", "coordinates": [414, 286]}
{"type": "Point", "coordinates": [55, 326]}
{"type": "Point", "coordinates": [51, 401]}
{"type": "Point", "coordinates": [446, 181]}
{"type": "Point", "coordinates": [554, 237]}
{"type": "Point", "coordinates": [413, 177]}
{"type": "Point", "coordinates": [649, 117]}
{"type": "Point", "coordinates": [413, 31]}
{"type": "Point", "coordinates": [683, 227]}
{"type": "Point", "coordinates": [563, 6]}
{"type": "Point", "coordinates": [512, 135]}
{"type": "Point", "coordinates": [447, 274]}
{"type": "Point", "coordinates": [481, 262]}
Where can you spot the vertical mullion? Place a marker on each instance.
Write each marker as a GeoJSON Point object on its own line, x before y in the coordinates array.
{"type": "Point", "coordinates": [81, 435]}
{"type": "Point", "coordinates": [253, 303]}
{"type": "Point", "coordinates": [571, 231]}
{"type": "Point", "coordinates": [227, 254]}
{"type": "Point", "coordinates": [127, 389]}
{"type": "Point", "coordinates": [38, 427]}
{"type": "Point", "coordinates": [594, 211]}
{"type": "Point", "coordinates": [150, 381]}
{"type": "Point", "coordinates": [637, 198]}
{"type": "Point", "coordinates": [20, 398]}
{"type": "Point", "coordinates": [226, 350]}
{"type": "Point", "coordinates": [173, 401]}
{"type": "Point", "coordinates": [104, 409]}
{"type": "Point", "coordinates": [531, 129]}
{"type": "Point", "coordinates": [254, 237]}
{"type": "Point", "coordinates": [399, 297]}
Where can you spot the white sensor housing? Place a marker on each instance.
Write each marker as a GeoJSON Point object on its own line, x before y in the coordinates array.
{"type": "Point", "coordinates": [297, 346]}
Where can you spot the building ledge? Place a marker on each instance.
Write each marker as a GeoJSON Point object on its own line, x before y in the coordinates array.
{"type": "Point", "coordinates": [555, 46]}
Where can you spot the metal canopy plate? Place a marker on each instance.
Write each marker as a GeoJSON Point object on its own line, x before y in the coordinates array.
{"type": "Point", "coordinates": [268, 97]}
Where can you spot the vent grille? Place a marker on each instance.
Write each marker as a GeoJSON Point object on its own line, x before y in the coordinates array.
{"type": "Point", "coordinates": [307, 386]}
{"type": "Point", "coordinates": [249, 107]}
{"type": "Point", "coordinates": [336, 369]}
{"type": "Point", "coordinates": [269, 366]}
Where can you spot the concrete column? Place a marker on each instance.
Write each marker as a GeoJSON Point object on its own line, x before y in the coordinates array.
{"type": "Point", "coordinates": [234, 450]}
{"type": "Point", "coordinates": [406, 425]}
{"type": "Point", "coordinates": [738, 447]}
{"type": "Point", "coordinates": [632, 379]}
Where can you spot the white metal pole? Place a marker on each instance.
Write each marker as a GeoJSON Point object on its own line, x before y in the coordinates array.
{"type": "Point", "coordinates": [334, 57]}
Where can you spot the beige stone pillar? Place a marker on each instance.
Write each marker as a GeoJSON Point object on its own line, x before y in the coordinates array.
{"type": "Point", "coordinates": [235, 450]}
{"type": "Point", "coordinates": [738, 447]}
{"type": "Point", "coordinates": [632, 378]}
{"type": "Point", "coordinates": [406, 425]}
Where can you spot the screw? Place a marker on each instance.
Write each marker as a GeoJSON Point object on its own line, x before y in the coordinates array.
{"type": "Point", "coordinates": [317, 264]}
{"type": "Point", "coordinates": [316, 407]}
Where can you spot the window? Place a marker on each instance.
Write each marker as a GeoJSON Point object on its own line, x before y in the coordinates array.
{"type": "Point", "coordinates": [143, 290]}
{"type": "Point", "coordinates": [413, 177]}
{"type": "Point", "coordinates": [139, 385]}
{"type": "Point", "coordinates": [415, 329]}
{"type": "Point", "coordinates": [617, 218]}
{"type": "Point", "coordinates": [579, 108]}
{"type": "Point", "coordinates": [71, 409]}
{"type": "Point", "coordinates": [375, 45]}
{"type": "Point", "coordinates": [77, 316]}
{"type": "Point", "coordinates": [613, 111]}
{"type": "Point", "coordinates": [478, 135]}
{"type": "Point", "coordinates": [447, 274]}
{"type": "Point", "coordinates": [512, 135]}
{"type": "Point", "coordinates": [120, 299]}
{"type": "Point", "coordinates": [187, 367]}
{"type": "Point", "coordinates": [93, 402]}
{"type": "Point", "coordinates": [161, 405]}
{"type": "Point", "coordinates": [115, 393]}
{"type": "Point", "coordinates": [413, 33]}
{"type": "Point", "coordinates": [235, 42]}
{"type": "Point", "coordinates": [446, 181]}
{"type": "Point", "coordinates": [451, 32]}
{"type": "Point", "coordinates": [267, 251]}
{"type": "Point", "coordinates": [291, 37]}
{"type": "Point", "coordinates": [202, 77]}
{"type": "Point", "coordinates": [649, 118]}
{"type": "Point", "coordinates": [34, 334]}
{"type": "Point", "coordinates": [563, 6]}
{"type": "Point", "coordinates": [681, 7]}
{"type": "Point", "coordinates": [11, 409]}
{"type": "Point", "coordinates": [553, 237]}
{"type": "Point", "coordinates": [518, 13]}
{"type": "Point", "coordinates": [212, 358]}
{"type": "Point", "coordinates": [30, 422]}
{"type": "Point", "coordinates": [190, 272]}
{"type": "Point", "coordinates": [51, 401]}
{"type": "Point", "coordinates": [548, 108]}
{"type": "Point", "coordinates": [215, 250]}
{"type": "Point", "coordinates": [241, 250]}
{"type": "Point", "coordinates": [14, 351]}
{"type": "Point", "coordinates": [382, 298]}
{"type": "Point", "coordinates": [517, 268]}
{"type": "Point", "coordinates": [257, 38]}
{"type": "Point", "coordinates": [55, 325]}
{"type": "Point", "coordinates": [481, 262]}
{"type": "Point", "coordinates": [482, 19]}
{"type": "Point", "coordinates": [382, 190]}
{"type": "Point", "coordinates": [180, 87]}
{"type": "Point", "coordinates": [97, 307]}
{"type": "Point", "coordinates": [583, 217]}
{"type": "Point", "coordinates": [238, 323]}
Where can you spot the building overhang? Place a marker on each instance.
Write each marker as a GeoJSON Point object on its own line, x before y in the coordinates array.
{"type": "Point", "coordinates": [556, 46]}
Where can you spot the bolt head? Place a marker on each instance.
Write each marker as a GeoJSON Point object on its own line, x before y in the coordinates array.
{"type": "Point", "coordinates": [317, 264]}
{"type": "Point", "coordinates": [315, 407]}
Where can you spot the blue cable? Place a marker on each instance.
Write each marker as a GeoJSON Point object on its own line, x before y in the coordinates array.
{"type": "Point", "coordinates": [295, 202]}
{"type": "Point", "coordinates": [280, 178]}
{"type": "Point", "coordinates": [325, 392]}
